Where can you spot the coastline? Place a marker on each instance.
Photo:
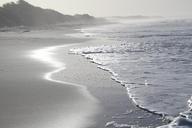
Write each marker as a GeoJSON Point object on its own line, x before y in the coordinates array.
{"type": "Point", "coordinates": [73, 92]}
{"type": "Point", "coordinates": [117, 109]}
{"type": "Point", "coordinates": [29, 100]}
{"type": "Point", "coordinates": [116, 69]}
{"type": "Point", "coordinates": [45, 55]}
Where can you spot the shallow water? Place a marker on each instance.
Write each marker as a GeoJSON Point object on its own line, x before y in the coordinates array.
{"type": "Point", "coordinates": [152, 59]}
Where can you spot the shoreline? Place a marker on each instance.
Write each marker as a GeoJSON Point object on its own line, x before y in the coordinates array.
{"type": "Point", "coordinates": [106, 116]}
{"type": "Point", "coordinates": [69, 91]}
{"type": "Point", "coordinates": [29, 100]}
{"type": "Point", "coordinates": [45, 55]}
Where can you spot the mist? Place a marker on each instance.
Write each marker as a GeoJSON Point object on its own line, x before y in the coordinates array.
{"type": "Point", "coordinates": [102, 8]}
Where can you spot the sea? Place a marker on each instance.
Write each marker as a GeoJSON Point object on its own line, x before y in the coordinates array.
{"type": "Point", "coordinates": [152, 59]}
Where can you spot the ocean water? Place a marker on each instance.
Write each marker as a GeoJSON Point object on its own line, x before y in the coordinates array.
{"type": "Point", "coordinates": [153, 60]}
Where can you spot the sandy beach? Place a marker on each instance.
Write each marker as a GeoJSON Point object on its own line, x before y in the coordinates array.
{"type": "Point", "coordinates": [116, 108]}
{"type": "Point", "coordinates": [95, 64]}
{"type": "Point", "coordinates": [29, 100]}
{"type": "Point", "coordinates": [43, 86]}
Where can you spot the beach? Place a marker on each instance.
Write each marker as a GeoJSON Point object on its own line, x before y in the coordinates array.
{"type": "Point", "coordinates": [95, 64]}
{"type": "Point", "coordinates": [43, 86]}
{"type": "Point", "coordinates": [29, 100]}
{"type": "Point", "coordinates": [116, 108]}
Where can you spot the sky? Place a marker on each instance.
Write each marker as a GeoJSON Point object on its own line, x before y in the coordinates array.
{"type": "Point", "coordinates": [102, 8]}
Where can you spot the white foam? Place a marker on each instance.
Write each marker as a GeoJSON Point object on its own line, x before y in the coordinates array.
{"type": "Point", "coordinates": [114, 124]}
{"type": "Point", "coordinates": [91, 53]}
{"type": "Point", "coordinates": [152, 60]}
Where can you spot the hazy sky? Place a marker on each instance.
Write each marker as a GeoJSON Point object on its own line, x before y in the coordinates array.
{"type": "Point", "coordinates": [118, 7]}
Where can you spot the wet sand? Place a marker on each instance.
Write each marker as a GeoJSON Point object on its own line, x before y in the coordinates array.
{"type": "Point", "coordinates": [116, 108]}
{"type": "Point", "coordinates": [64, 91]}
{"type": "Point", "coordinates": [27, 99]}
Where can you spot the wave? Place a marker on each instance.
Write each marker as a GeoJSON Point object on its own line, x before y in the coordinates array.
{"type": "Point", "coordinates": [122, 48]}
{"type": "Point", "coordinates": [162, 35]}
{"type": "Point", "coordinates": [87, 53]}
{"type": "Point", "coordinates": [184, 120]}
{"type": "Point", "coordinates": [152, 61]}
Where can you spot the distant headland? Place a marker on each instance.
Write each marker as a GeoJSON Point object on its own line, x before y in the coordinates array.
{"type": "Point", "coordinates": [22, 13]}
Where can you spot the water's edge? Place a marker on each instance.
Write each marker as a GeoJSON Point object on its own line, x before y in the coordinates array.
{"type": "Point", "coordinates": [182, 120]}
{"type": "Point", "coordinates": [45, 55]}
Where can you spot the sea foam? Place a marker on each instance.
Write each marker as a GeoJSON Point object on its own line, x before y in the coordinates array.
{"type": "Point", "coordinates": [153, 62]}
